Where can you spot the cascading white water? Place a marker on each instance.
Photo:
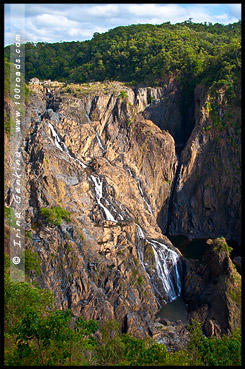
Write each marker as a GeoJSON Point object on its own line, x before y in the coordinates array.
{"type": "Point", "coordinates": [62, 146]}
{"type": "Point", "coordinates": [55, 137]}
{"type": "Point", "coordinates": [99, 142]}
{"type": "Point", "coordinates": [98, 182]}
{"type": "Point", "coordinates": [165, 279]}
{"type": "Point", "coordinates": [167, 268]}
{"type": "Point", "coordinates": [142, 194]}
{"type": "Point", "coordinates": [98, 185]}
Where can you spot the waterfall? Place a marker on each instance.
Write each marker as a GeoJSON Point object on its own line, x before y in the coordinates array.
{"type": "Point", "coordinates": [165, 275]}
{"type": "Point", "coordinates": [62, 146]}
{"type": "Point", "coordinates": [98, 182]}
{"type": "Point", "coordinates": [99, 142]}
{"type": "Point", "coordinates": [168, 269]}
{"type": "Point", "coordinates": [142, 194]}
{"type": "Point", "coordinates": [56, 138]}
{"type": "Point", "coordinates": [98, 185]}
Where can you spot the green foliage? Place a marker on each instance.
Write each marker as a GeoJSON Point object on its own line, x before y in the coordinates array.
{"type": "Point", "coordinates": [38, 334]}
{"type": "Point", "coordinates": [143, 352]}
{"type": "Point", "coordinates": [9, 216]}
{"type": "Point", "coordinates": [236, 295]}
{"type": "Point", "coordinates": [130, 351]}
{"type": "Point", "coordinates": [27, 94]}
{"type": "Point", "coordinates": [20, 296]}
{"type": "Point", "coordinates": [204, 351]}
{"type": "Point", "coordinates": [123, 95]}
{"type": "Point", "coordinates": [111, 353]}
{"type": "Point", "coordinates": [109, 330]}
{"type": "Point", "coordinates": [208, 106]}
{"type": "Point", "coordinates": [29, 234]}
{"type": "Point", "coordinates": [9, 123]}
{"type": "Point", "coordinates": [32, 262]}
{"type": "Point", "coordinates": [144, 53]}
{"type": "Point", "coordinates": [220, 244]}
{"type": "Point", "coordinates": [130, 121]}
{"type": "Point", "coordinates": [150, 99]}
{"type": "Point", "coordinates": [140, 280]}
{"type": "Point", "coordinates": [6, 78]}
{"type": "Point", "coordinates": [55, 215]}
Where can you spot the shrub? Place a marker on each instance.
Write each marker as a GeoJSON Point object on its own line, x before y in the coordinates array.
{"type": "Point", "coordinates": [32, 262]}
{"type": "Point", "coordinates": [111, 353]}
{"type": "Point", "coordinates": [220, 244]}
{"type": "Point", "coordinates": [140, 280]}
{"type": "Point", "coordinates": [9, 216]}
{"type": "Point", "coordinates": [213, 351]}
{"type": "Point", "coordinates": [123, 95]}
{"type": "Point", "coordinates": [55, 215]}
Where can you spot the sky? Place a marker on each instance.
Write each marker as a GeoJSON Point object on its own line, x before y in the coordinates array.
{"type": "Point", "coordinates": [78, 22]}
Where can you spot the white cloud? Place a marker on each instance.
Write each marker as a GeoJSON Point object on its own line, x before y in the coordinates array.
{"type": "Point", "coordinates": [167, 12]}
{"type": "Point", "coordinates": [77, 32]}
{"type": "Point", "coordinates": [103, 10]}
{"type": "Point", "coordinates": [84, 33]}
{"type": "Point", "coordinates": [54, 21]}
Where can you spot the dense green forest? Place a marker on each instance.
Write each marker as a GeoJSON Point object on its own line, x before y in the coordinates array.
{"type": "Point", "coordinates": [37, 333]}
{"type": "Point", "coordinates": [143, 54]}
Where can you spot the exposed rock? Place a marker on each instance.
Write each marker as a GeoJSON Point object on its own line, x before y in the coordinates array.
{"type": "Point", "coordinates": [207, 197]}
{"type": "Point", "coordinates": [212, 290]}
{"type": "Point", "coordinates": [105, 157]}
{"type": "Point", "coordinates": [174, 335]}
{"type": "Point", "coordinates": [99, 160]}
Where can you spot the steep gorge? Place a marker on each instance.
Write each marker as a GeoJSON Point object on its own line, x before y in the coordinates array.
{"type": "Point", "coordinates": [89, 156]}
{"type": "Point", "coordinates": [108, 156]}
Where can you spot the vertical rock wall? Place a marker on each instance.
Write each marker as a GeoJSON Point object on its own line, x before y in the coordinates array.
{"type": "Point", "coordinates": [207, 196]}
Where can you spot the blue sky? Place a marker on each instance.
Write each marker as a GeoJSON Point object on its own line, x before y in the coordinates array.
{"type": "Point", "coordinates": [78, 22]}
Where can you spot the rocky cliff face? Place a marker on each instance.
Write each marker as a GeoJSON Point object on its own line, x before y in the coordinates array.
{"type": "Point", "coordinates": [97, 158]}
{"type": "Point", "coordinates": [212, 290]}
{"type": "Point", "coordinates": [207, 197]}
{"type": "Point", "coordinates": [103, 153]}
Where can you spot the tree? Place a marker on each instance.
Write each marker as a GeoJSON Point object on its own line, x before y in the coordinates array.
{"type": "Point", "coordinates": [36, 333]}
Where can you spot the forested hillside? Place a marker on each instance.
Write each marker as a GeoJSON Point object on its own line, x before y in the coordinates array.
{"type": "Point", "coordinates": [143, 54]}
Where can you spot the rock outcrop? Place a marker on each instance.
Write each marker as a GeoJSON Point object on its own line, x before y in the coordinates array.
{"type": "Point", "coordinates": [212, 290]}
